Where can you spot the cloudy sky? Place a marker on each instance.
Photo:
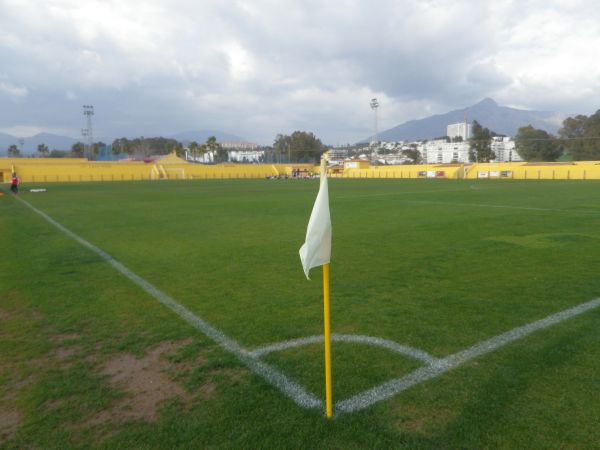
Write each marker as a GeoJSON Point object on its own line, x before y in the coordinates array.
{"type": "Point", "coordinates": [261, 67]}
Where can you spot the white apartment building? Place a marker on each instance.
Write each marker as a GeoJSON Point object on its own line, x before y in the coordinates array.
{"type": "Point", "coordinates": [250, 156]}
{"type": "Point", "coordinates": [246, 155]}
{"type": "Point", "coordinates": [460, 129]}
{"type": "Point", "coordinates": [239, 145]}
{"type": "Point", "coordinates": [504, 148]}
{"type": "Point", "coordinates": [441, 152]}
{"type": "Point", "coordinates": [337, 154]}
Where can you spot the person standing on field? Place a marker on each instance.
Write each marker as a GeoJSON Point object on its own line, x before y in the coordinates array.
{"type": "Point", "coordinates": [14, 184]}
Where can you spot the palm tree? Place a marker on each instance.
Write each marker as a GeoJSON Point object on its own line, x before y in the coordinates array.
{"type": "Point", "coordinates": [43, 150]}
{"type": "Point", "coordinates": [216, 149]}
{"type": "Point", "coordinates": [194, 149]}
{"type": "Point", "coordinates": [202, 150]}
{"type": "Point", "coordinates": [77, 150]}
{"type": "Point", "coordinates": [13, 150]}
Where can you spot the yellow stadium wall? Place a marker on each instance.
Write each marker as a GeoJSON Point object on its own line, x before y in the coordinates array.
{"type": "Point", "coordinates": [580, 170]}
{"type": "Point", "coordinates": [45, 170]}
{"type": "Point", "coordinates": [36, 170]}
{"type": "Point", "coordinates": [450, 171]}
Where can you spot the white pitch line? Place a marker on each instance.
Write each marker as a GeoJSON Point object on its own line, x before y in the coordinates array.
{"type": "Point", "coordinates": [484, 205]}
{"type": "Point", "coordinates": [293, 390]}
{"type": "Point", "coordinates": [393, 387]}
{"type": "Point", "coordinates": [386, 194]}
{"type": "Point", "coordinates": [352, 338]}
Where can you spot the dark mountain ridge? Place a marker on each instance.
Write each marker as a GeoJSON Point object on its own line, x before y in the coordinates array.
{"type": "Point", "coordinates": [501, 119]}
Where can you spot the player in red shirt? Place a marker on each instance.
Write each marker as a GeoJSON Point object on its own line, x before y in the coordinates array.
{"type": "Point", "coordinates": [14, 184]}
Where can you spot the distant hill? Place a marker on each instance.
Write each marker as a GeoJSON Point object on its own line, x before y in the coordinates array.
{"type": "Point", "coordinates": [30, 144]}
{"type": "Point", "coordinates": [52, 141]}
{"type": "Point", "coordinates": [201, 136]}
{"type": "Point", "coordinates": [6, 140]}
{"type": "Point", "coordinates": [57, 142]}
{"type": "Point", "coordinates": [501, 119]}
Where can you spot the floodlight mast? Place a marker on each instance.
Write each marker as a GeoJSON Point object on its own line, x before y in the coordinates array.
{"type": "Point", "coordinates": [374, 106]}
{"type": "Point", "coordinates": [88, 112]}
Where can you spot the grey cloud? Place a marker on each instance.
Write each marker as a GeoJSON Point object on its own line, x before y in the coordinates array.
{"type": "Point", "coordinates": [488, 76]}
{"type": "Point", "coordinates": [260, 68]}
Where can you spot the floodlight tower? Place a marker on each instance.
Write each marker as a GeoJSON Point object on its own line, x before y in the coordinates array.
{"type": "Point", "coordinates": [374, 106]}
{"type": "Point", "coordinates": [88, 112]}
{"type": "Point", "coordinates": [84, 138]}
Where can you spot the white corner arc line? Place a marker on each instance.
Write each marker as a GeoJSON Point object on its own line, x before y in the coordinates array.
{"type": "Point", "coordinates": [351, 338]}
{"type": "Point", "coordinates": [290, 388]}
{"type": "Point", "coordinates": [393, 387]}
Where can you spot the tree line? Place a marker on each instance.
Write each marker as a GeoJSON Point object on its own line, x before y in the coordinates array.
{"type": "Point", "coordinates": [578, 140]}
{"type": "Point", "coordinates": [299, 147]}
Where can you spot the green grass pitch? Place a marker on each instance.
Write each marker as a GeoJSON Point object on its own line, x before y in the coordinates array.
{"type": "Point", "coordinates": [435, 265]}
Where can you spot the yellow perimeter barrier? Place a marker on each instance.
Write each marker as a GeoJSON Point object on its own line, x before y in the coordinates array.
{"type": "Point", "coordinates": [579, 170]}
{"type": "Point", "coordinates": [46, 170]}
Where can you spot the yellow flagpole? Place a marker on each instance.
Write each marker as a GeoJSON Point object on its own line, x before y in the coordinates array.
{"type": "Point", "coordinates": [328, 396]}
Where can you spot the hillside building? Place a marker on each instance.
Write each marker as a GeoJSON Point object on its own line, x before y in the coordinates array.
{"type": "Point", "coordinates": [460, 129]}
{"type": "Point", "coordinates": [439, 151]}
{"type": "Point", "coordinates": [239, 145]}
{"type": "Point", "coordinates": [252, 156]}
{"type": "Point", "coordinates": [504, 148]}
{"type": "Point", "coordinates": [337, 155]}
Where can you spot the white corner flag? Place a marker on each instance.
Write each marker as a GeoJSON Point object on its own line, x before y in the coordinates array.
{"type": "Point", "coordinates": [316, 250]}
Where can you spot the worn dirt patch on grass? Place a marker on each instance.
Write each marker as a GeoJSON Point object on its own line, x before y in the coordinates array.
{"type": "Point", "coordinates": [19, 313]}
{"type": "Point", "coordinates": [65, 338]}
{"type": "Point", "coordinates": [10, 420]}
{"type": "Point", "coordinates": [5, 315]}
{"type": "Point", "coordinates": [209, 386]}
{"type": "Point", "coordinates": [239, 375]}
{"type": "Point", "coordinates": [144, 382]}
{"type": "Point", "coordinates": [67, 352]}
{"type": "Point", "coordinates": [10, 417]}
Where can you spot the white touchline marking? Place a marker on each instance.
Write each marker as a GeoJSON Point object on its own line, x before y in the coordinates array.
{"type": "Point", "coordinates": [292, 389]}
{"type": "Point", "coordinates": [483, 205]}
{"type": "Point", "coordinates": [362, 400]}
{"type": "Point", "coordinates": [393, 387]}
{"type": "Point", "coordinates": [385, 194]}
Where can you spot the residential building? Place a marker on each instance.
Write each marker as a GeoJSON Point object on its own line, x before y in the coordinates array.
{"type": "Point", "coordinates": [439, 151]}
{"type": "Point", "coordinates": [337, 154]}
{"type": "Point", "coordinates": [239, 145]}
{"type": "Point", "coordinates": [460, 129]}
{"type": "Point", "coordinates": [246, 155]}
{"type": "Point", "coordinates": [504, 148]}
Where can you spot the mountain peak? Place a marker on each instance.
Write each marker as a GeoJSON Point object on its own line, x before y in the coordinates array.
{"type": "Point", "coordinates": [487, 112]}
{"type": "Point", "coordinates": [487, 102]}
